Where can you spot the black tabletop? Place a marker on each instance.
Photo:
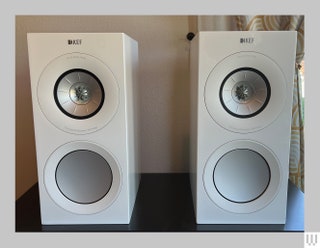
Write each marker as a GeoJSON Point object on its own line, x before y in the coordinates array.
{"type": "Point", "coordinates": [163, 204]}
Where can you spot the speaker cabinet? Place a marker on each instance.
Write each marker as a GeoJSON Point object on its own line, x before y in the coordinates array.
{"type": "Point", "coordinates": [84, 96]}
{"type": "Point", "coordinates": [241, 100]}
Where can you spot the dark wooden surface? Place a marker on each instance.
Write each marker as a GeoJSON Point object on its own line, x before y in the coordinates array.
{"type": "Point", "coordinates": [163, 204]}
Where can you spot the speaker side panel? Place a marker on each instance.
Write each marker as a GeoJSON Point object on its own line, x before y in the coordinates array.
{"type": "Point", "coordinates": [132, 117]}
{"type": "Point", "coordinates": [194, 91]}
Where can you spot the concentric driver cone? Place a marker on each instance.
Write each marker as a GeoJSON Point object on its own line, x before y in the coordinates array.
{"type": "Point", "coordinates": [79, 94]}
{"type": "Point", "coordinates": [245, 92]}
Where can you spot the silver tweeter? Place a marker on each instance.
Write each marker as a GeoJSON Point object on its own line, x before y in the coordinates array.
{"type": "Point", "coordinates": [79, 94]}
{"type": "Point", "coordinates": [245, 92]}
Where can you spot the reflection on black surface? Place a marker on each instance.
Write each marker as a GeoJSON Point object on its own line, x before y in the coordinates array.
{"type": "Point", "coordinates": [163, 204]}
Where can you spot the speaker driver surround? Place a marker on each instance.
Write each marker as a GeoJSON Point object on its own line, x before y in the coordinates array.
{"type": "Point", "coordinates": [78, 86]}
{"type": "Point", "coordinates": [245, 92]}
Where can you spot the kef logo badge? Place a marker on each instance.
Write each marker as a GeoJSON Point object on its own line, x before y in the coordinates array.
{"type": "Point", "coordinates": [247, 40]}
{"type": "Point", "coordinates": [74, 42]}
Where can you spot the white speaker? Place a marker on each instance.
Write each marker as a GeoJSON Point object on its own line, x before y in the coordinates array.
{"type": "Point", "coordinates": [241, 100]}
{"type": "Point", "coordinates": [84, 96]}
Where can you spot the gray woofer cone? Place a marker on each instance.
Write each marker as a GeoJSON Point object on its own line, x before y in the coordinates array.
{"type": "Point", "coordinates": [241, 175]}
{"type": "Point", "coordinates": [84, 176]}
{"type": "Point", "coordinates": [245, 92]}
{"type": "Point", "coordinates": [79, 94]}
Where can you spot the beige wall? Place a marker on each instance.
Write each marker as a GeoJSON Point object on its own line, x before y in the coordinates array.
{"type": "Point", "coordinates": [163, 85]}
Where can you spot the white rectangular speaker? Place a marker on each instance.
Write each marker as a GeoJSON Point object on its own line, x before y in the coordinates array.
{"type": "Point", "coordinates": [241, 101]}
{"type": "Point", "coordinates": [84, 97]}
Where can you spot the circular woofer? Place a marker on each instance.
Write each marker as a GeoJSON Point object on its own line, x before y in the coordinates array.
{"type": "Point", "coordinates": [241, 175]}
{"type": "Point", "coordinates": [79, 94]}
{"type": "Point", "coordinates": [84, 176]}
{"type": "Point", "coordinates": [245, 92]}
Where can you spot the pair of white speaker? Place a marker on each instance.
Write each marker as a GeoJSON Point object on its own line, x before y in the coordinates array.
{"type": "Point", "coordinates": [84, 92]}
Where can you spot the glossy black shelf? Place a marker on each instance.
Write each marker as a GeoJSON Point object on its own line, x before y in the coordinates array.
{"type": "Point", "coordinates": [163, 204]}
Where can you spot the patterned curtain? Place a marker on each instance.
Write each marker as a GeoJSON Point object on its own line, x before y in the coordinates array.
{"type": "Point", "coordinates": [268, 23]}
